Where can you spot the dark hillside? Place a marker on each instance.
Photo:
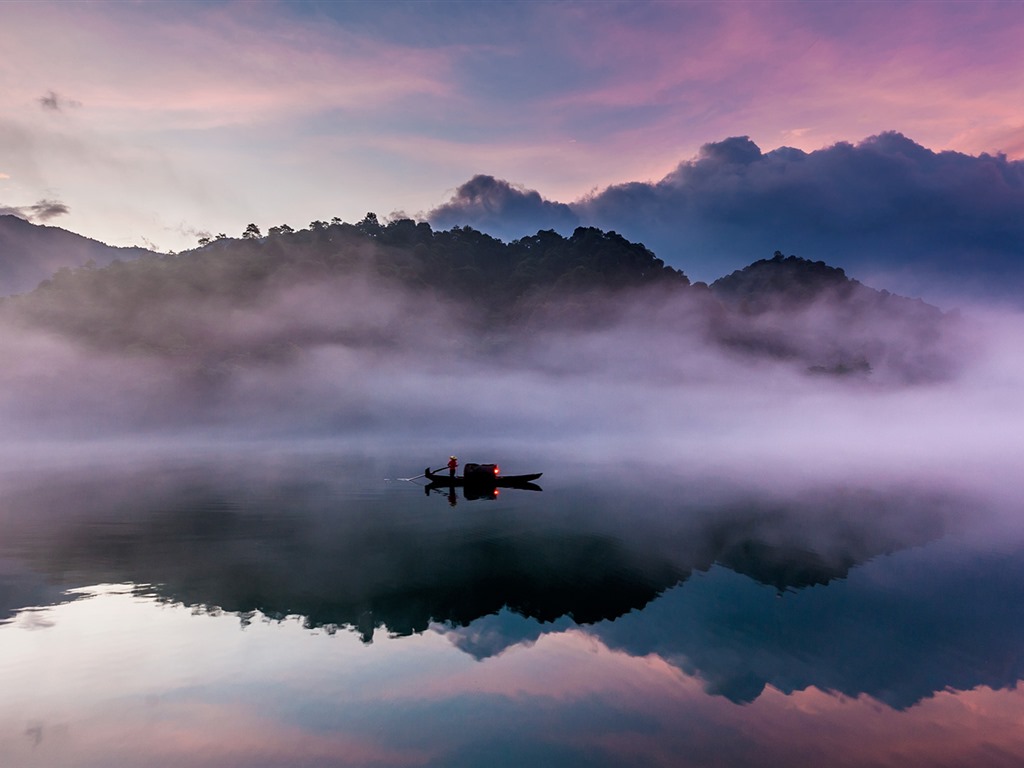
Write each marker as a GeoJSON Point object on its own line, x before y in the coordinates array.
{"type": "Point", "coordinates": [793, 308]}
{"type": "Point", "coordinates": [30, 253]}
{"type": "Point", "coordinates": [354, 284]}
{"type": "Point", "coordinates": [783, 283]}
{"type": "Point", "coordinates": [396, 286]}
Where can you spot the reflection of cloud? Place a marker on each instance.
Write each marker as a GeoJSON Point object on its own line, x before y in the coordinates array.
{"type": "Point", "coordinates": [184, 692]}
{"type": "Point", "coordinates": [34, 618]}
{"type": "Point", "coordinates": [213, 535]}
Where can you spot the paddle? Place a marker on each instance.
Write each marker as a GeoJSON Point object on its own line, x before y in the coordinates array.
{"type": "Point", "coordinates": [417, 477]}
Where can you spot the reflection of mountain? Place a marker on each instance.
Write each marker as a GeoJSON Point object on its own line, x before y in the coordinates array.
{"type": "Point", "coordinates": [303, 542]}
{"type": "Point", "coordinates": [899, 629]}
{"type": "Point", "coordinates": [729, 588]}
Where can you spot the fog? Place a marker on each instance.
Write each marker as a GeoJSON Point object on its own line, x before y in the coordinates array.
{"type": "Point", "coordinates": [254, 467]}
{"type": "Point", "coordinates": [650, 385]}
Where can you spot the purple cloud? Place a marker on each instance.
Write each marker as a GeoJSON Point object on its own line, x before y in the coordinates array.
{"type": "Point", "coordinates": [887, 209]}
{"type": "Point", "coordinates": [502, 209]}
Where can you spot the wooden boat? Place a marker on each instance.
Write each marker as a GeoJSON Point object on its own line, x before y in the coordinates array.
{"type": "Point", "coordinates": [481, 476]}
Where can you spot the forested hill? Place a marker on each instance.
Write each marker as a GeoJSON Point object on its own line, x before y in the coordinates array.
{"type": "Point", "coordinates": [789, 307]}
{"type": "Point", "coordinates": [792, 283]}
{"type": "Point", "coordinates": [489, 282]}
{"type": "Point", "coordinates": [30, 253]}
{"type": "Point", "coordinates": [389, 286]}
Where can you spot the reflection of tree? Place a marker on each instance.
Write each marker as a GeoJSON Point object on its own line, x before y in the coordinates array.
{"type": "Point", "coordinates": [290, 550]}
{"type": "Point", "coordinates": [636, 566]}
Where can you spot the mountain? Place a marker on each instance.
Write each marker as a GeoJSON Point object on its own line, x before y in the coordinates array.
{"type": "Point", "coordinates": [794, 308]}
{"type": "Point", "coordinates": [944, 225]}
{"type": "Point", "coordinates": [337, 283]}
{"type": "Point", "coordinates": [212, 533]}
{"type": "Point", "coordinates": [30, 253]}
{"type": "Point", "coordinates": [397, 286]}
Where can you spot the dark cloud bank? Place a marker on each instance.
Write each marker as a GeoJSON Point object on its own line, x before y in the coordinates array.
{"type": "Point", "coordinates": [893, 213]}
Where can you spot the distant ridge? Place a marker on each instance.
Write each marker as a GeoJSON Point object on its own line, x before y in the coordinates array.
{"type": "Point", "coordinates": [793, 308]}
{"type": "Point", "coordinates": [30, 253]}
{"type": "Point", "coordinates": [331, 281]}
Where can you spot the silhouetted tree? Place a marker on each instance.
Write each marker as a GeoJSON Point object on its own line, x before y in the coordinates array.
{"type": "Point", "coordinates": [369, 225]}
{"type": "Point", "coordinates": [252, 232]}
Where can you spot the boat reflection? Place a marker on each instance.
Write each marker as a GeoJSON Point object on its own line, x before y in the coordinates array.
{"type": "Point", "coordinates": [477, 491]}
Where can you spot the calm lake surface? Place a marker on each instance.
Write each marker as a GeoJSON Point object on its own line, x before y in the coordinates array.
{"type": "Point", "coordinates": [308, 608]}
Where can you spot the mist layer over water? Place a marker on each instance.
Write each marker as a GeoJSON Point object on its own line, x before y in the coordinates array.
{"type": "Point", "coordinates": [643, 390]}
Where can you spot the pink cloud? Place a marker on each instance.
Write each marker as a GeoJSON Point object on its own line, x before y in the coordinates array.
{"type": "Point", "coordinates": [791, 74]}
{"type": "Point", "coordinates": [212, 66]}
{"type": "Point", "coordinates": [587, 96]}
{"type": "Point", "coordinates": [806, 727]}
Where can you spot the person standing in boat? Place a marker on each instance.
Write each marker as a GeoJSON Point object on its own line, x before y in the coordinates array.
{"type": "Point", "coordinates": [453, 464]}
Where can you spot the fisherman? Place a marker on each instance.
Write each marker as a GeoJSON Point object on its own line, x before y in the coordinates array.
{"type": "Point", "coordinates": [453, 463]}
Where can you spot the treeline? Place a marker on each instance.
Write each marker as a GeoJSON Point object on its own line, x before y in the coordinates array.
{"type": "Point", "coordinates": [160, 302]}
{"type": "Point", "coordinates": [392, 285]}
{"type": "Point", "coordinates": [460, 263]}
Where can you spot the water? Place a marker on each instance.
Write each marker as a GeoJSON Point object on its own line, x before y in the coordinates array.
{"type": "Point", "coordinates": [263, 607]}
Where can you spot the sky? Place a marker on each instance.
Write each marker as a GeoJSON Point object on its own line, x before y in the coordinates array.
{"type": "Point", "coordinates": [155, 123]}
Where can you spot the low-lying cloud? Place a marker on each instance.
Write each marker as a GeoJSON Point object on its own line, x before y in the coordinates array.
{"type": "Point", "coordinates": [353, 363]}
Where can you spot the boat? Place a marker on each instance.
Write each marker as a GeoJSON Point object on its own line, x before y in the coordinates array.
{"type": "Point", "coordinates": [480, 476]}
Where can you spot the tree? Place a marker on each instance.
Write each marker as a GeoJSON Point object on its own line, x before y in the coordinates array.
{"type": "Point", "coordinates": [284, 229]}
{"type": "Point", "coordinates": [205, 240]}
{"type": "Point", "coordinates": [252, 232]}
{"type": "Point", "coordinates": [369, 225]}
